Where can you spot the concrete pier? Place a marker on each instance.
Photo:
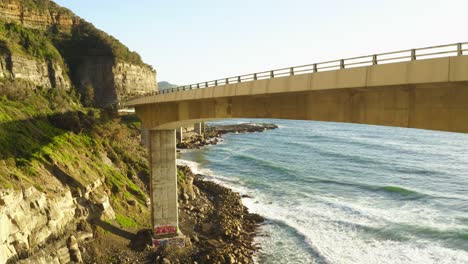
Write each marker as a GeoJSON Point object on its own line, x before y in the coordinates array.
{"type": "Point", "coordinates": [144, 136]}
{"type": "Point", "coordinates": [164, 182]}
{"type": "Point", "coordinates": [179, 134]}
{"type": "Point", "coordinates": [199, 128]}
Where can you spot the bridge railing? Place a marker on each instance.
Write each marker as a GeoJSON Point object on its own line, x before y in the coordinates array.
{"type": "Point", "coordinates": [457, 49]}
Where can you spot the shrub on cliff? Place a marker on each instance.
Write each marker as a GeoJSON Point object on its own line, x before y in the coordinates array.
{"type": "Point", "coordinates": [15, 39]}
{"type": "Point", "coordinates": [86, 40]}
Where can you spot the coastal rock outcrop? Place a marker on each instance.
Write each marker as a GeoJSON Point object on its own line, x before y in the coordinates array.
{"type": "Point", "coordinates": [28, 218]}
{"type": "Point", "coordinates": [42, 73]}
{"type": "Point", "coordinates": [31, 14]}
{"type": "Point", "coordinates": [31, 220]}
{"type": "Point", "coordinates": [112, 81]}
{"type": "Point", "coordinates": [101, 68]}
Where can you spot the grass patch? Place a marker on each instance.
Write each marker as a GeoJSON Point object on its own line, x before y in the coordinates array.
{"type": "Point", "coordinates": [125, 222]}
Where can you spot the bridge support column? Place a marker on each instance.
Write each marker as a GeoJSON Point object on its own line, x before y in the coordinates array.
{"type": "Point", "coordinates": [180, 134]}
{"type": "Point", "coordinates": [144, 136]}
{"type": "Point", "coordinates": [199, 128]}
{"type": "Point", "coordinates": [164, 211]}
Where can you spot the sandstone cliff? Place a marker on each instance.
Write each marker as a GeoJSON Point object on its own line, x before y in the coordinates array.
{"type": "Point", "coordinates": [41, 73]}
{"type": "Point", "coordinates": [37, 14]}
{"type": "Point", "coordinates": [64, 171]}
{"type": "Point", "coordinates": [93, 60]}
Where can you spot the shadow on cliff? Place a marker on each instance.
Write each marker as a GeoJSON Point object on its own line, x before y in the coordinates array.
{"type": "Point", "coordinates": [22, 140]}
{"type": "Point", "coordinates": [114, 230]}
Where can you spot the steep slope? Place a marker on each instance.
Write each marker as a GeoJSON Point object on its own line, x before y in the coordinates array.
{"type": "Point", "coordinates": [62, 167]}
{"type": "Point", "coordinates": [101, 68]}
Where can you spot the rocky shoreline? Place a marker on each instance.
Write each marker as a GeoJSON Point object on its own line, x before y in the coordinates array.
{"type": "Point", "coordinates": [213, 134]}
{"type": "Point", "coordinates": [217, 227]}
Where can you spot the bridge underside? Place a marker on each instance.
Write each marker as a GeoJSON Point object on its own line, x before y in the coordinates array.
{"type": "Point", "coordinates": [427, 106]}
{"type": "Point", "coordinates": [430, 94]}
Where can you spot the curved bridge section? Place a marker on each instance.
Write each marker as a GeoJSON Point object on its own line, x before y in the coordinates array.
{"type": "Point", "coordinates": [427, 93]}
{"type": "Point", "coordinates": [419, 88]}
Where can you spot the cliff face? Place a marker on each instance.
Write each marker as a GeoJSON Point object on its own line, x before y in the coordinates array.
{"type": "Point", "coordinates": [92, 59]}
{"type": "Point", "coordinates": [41, 73]}
{"type": "Point", "coordinates": [113, 81]}
{"type": "Point", "coordinates": [37, 14]}
{"type": "Point", "coordinates": [64, 171]}
{"type": "Point", "coordinates": [131, 79]}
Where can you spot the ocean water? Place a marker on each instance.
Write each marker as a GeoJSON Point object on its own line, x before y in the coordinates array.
{"type": "Point", "coordinates": [346, 193]}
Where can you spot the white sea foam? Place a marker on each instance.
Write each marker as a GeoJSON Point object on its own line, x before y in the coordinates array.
{"type": "Point", "coordinates": [307, 224]}
{"type": "Point", "coordinates": [326, 239]}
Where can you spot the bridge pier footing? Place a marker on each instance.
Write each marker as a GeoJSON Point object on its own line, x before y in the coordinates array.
{"type": "Point", "coordinates": [164, 208]}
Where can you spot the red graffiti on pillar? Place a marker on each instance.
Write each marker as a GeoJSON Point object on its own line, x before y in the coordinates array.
{"type": "Point", "coordinates": [165, 230]}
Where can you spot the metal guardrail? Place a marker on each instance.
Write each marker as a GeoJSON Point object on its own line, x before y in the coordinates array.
{"type": "Point", "coordinates": [448, 50]}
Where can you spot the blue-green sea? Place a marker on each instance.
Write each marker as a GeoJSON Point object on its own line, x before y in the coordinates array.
{"type": "Point", "coordinates": [346, 193]}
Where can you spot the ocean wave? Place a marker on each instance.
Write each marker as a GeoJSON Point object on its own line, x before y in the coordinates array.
{"type": "Point", "coordinates": [265, 164]}
{"type": "Point", "coordinates": [308, 247]}
{"type": "Point", "coordinates": [402, 191]}
{"type": "Point", "coordinates": [396, 190]}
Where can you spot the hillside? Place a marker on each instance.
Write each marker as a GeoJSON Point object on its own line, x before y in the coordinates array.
{"type": "Point", "coordinates": [62, 167]}
{"type": "Point", "coordinates": [48, 45]}
{"type": "Point", "coordinates": [166, 85]}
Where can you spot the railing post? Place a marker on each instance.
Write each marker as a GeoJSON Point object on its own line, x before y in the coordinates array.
{"type": "Point", "coordinates": [272, 74]}
{"type": "Point", "coordinates": [255, 77]}
{"type": "Point", "coordinates": [315, 67]}
{"type": "Point", "coordinates": [216, 83]}
{"type": "Point", "coordinates": [206, 84]}
{"type": "Point", "coordinates": [291, 71]}
{"type": "Point", "coordinates": [413, 54]}
{"type": "Point", "coordinates": [227, 80]}
{"type": "Point", "coordinates": [238, 79]}
{"type": "Point", "coordinates": [342, 64]}
{"type": "Point", "coordinates": [198, 86]}
{"type": "Point", "coordinates": [374, 60]}
{"type": "Point", "coordinates": [459, 49]}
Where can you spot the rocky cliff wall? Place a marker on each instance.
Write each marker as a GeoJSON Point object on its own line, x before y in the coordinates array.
{"type": "Point", "coordinates": [94, 58]}
{"type": "Point", "coordinates": [112, 81]}
{"type": "Point", "coordinates": [132, 79]}
{"type": "Point", "coordinates": [41, 73]}
{"type": "Point", "coordinates": [41, 17]}
{"type": "Point", "coordinates": [33, 222]}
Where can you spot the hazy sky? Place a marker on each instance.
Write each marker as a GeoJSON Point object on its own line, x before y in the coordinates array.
{"type": "Point", "coordinates": [195, 41]}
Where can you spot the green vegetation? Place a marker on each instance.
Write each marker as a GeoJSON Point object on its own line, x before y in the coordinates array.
{"type": "Point", "coordinates": [48, 140]}
{"type": "Point", "coordinates": [41, 6]}
{"type": "Point", "coordinates": [58, 44]}
{"type": "Point", "coordinates": [86, 40]}
{"type": "Point", "coordinates": [124, 221]}
{"type": "Point", "coordinates": [15, 39]}
{"type": "Point", "coordinates": [180, 175]}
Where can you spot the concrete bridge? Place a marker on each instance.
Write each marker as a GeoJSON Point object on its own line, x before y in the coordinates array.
{"type": "Point", "coordinates": [418, 88]}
